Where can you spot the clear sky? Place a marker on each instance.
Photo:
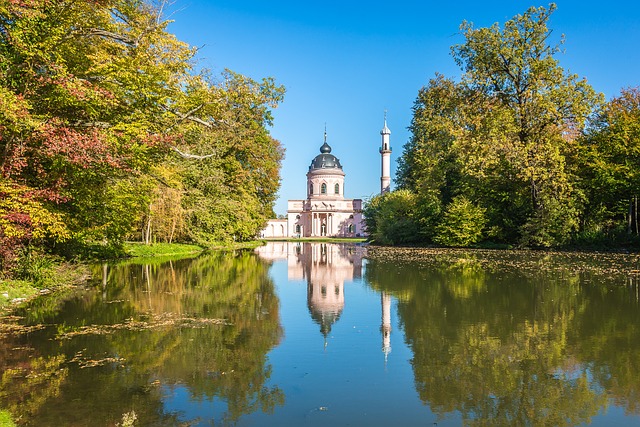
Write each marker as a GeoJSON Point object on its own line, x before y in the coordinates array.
{"type": "Point", "coordinates": [344, 63]}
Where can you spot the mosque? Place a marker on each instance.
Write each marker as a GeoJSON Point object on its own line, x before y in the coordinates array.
{"type": "Point", "coordinates": [325, 212]}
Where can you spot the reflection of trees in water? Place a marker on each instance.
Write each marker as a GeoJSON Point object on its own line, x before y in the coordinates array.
{"type": "Point", "coordinates": [226, 362]}
{"type": "Point", "coordinates": [610, 341]}
{"type": "Point", "coordinates": [514, 347]}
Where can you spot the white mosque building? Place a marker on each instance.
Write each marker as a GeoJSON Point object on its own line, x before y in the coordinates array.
{"type": "Point", "coordinates": [325, 212]}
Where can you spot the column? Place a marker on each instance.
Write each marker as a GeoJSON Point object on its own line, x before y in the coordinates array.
{"type": "Point", "coordinates": [313, 224]}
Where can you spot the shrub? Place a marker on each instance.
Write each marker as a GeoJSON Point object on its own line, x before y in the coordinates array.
{"type": "Point", "coordinates": [462, 224]}
{"type": "Point", "coordinates": [391, 218]}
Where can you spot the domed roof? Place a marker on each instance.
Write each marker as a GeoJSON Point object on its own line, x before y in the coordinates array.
{"type": "Point", "coordinates": [325, 159]}
{"type": "Point", "coordinates": [385, 130]}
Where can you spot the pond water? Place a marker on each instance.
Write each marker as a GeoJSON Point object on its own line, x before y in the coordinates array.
{"type": "Point", "coordinates": [334, 334]}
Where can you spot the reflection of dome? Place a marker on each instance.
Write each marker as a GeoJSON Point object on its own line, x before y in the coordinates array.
{"type": "Point", "coordinates": [325, 305]}
{"type": "Point", "coordinates": [325, 159]}
{"type": "Point", "coordinates": [325, 319]}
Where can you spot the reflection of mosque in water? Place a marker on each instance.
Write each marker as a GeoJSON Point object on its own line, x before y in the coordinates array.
{"type": "Point", "coordinates": [326, 267]}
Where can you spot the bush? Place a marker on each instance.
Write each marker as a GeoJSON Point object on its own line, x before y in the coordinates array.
{"type": "Point", "coordinates": [391, 218]}
{"type": "Point", "coordinates": [462, 224]}
{"type": "Point", "coordinates": [35, 267]}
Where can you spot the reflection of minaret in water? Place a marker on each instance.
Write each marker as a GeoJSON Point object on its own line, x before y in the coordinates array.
{"type": "Point", "coordinates": [385, 328]}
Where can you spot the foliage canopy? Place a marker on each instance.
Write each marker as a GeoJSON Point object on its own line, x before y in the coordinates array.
{"type": "Point", "coordinates": [522, 140]}
{"type": "Point", "coordinates": [107, 125]}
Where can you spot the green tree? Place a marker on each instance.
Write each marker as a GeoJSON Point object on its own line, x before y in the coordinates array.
{"type": "Point", "coordinates": [610, 164]}
{"type": "Point", "coordinates": [462, 224]}
{"type": "Point", "coordinates": [391, 218]}
{"type": "Point", "coordinates": [505, 134]}
{"type": "Point", "coordinates": [230, 191]}
{"type": "Point", "coordinates": [538, 107]}
{"type": "Point", "coordinates": [429, 162]}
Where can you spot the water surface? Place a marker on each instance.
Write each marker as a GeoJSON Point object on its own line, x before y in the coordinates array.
{"type": "Point", "coordinates": [334, 334]}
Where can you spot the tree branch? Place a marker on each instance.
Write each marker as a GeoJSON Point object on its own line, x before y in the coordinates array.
{"type": "Point", "coordinates": [102, 125]}
{"type": "Point", "coordinates": [191, 156]}
{"type": "Point", "coordinates": [109, 35]}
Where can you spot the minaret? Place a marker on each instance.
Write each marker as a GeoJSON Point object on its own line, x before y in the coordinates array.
{"type": "Point", "coordinates": [385, 153]}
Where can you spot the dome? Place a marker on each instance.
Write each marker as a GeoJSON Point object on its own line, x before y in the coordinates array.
{"type": "Point", "coordinates": [325, 159]}
{"type": "Point", "coordinates": [385, 130]}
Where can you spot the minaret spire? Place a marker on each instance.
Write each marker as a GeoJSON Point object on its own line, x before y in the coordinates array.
{"type": "Point", "coordinates": [385, 153]}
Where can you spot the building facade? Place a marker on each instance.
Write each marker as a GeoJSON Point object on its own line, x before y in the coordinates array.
{"type": "Point", "coordinates": [326, 212]}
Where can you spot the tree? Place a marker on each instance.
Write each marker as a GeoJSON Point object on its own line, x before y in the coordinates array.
{"type": "Point", "coordinates": [610, 165]}
{"type": "Point", "coordinates": [462, 224]}
{"type": "Point", "coordinates": [391, 218]}
{"type": "Point", "coordinates": [538, 109]}
{"type": "Point", "coordinates": [504, 136]}
{"type": "Point", "coordinates": [230, 193]}
{"type": "Point", "coordinates": [95, 95]}
{"type": "Point", "coordinates": [24, 221]}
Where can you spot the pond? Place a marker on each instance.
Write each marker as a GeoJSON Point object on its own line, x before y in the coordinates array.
{"type": "Point", "coordinates": [333, 334]}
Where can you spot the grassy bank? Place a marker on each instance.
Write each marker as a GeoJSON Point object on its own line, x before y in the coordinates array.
{"type": "Point", "coordinates": [38, 274]}
{"type": "Point", "coordinates": [137, 249]}
{"type": "Point", "coordinates": [321, 239]}
{"type": "Point", "coordinates": [5, 419]}
{"type": "Point", "coordinates": [42, 276]}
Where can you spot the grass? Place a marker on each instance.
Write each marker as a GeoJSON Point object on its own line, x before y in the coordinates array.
{"type": "Point", "coordinates": [252, 244]}
{"type": "Point", "coordinates": [136, 249]}
{"type": "Point", "coordinates": [322, 239]}
{"type": "Point", "coordinates": [11, 290]}
{"type": "Point", "coordinates": [48, 277]}
{"type": "Point", "coordinates": [5, 419]}
{"type": "Point", "coordinates": [140, 250]}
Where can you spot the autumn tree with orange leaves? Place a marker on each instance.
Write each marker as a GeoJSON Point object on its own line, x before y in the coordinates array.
{"type": "Point", "coordinates": [103, 114]}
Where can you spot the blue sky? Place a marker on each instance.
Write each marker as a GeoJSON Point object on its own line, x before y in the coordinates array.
{"type": "Point", "coordinates": [345, 62]}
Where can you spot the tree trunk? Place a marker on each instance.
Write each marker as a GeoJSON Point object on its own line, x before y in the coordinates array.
{"type": "Point", "coordinates": [635, 213]}
{"type": "Point", "coordinates": [173, 229]}
{"type": "Point", "coordinates": [148, 233]}
{"type": "Point", "coordinates": [534, 194]}
{"type": "Point", "coordinates": [629, 217]}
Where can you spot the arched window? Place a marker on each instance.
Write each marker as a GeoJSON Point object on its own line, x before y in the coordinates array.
{"type": "Point", "coordinates": [337, 190]}
{"type": "Point", "coordinates": [350, 228]}
{"type": "Point", "coordinates": [323, 188]}
{"type": "Point", "coordinates": [297, 228]}
{"type": "Point", "coordinates": [311, 189]}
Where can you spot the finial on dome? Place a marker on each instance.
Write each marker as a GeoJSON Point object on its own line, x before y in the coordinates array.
{"type": "Point", "coordinates": [326, 148]}
{"type": "Point", "coordinates": [385, 130]}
